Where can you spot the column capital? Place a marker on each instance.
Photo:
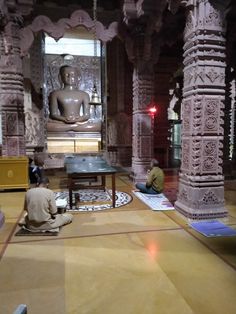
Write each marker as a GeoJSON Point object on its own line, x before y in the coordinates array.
{"type": "Point", "coordinates": [142, 46]}
{"type": "Point", "coordinates": [14, 11]}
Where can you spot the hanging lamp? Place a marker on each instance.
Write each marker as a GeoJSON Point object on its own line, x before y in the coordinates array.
{"type": "Point", "coordinates": [95, 99]}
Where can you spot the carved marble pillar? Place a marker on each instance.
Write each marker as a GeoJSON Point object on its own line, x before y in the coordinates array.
{"type": "Point", "coordinates": [142, 140]}
{"type": "Point", "coordinates": [11, 80]}
{"type": "Point", "coordinates": [11, 77]}
{"type": "Point", "coordinates": [201, 183]}
{"type": "Point", "coordinates": [11, 94]}
{"type": "Point", "coordinates": [143, 48]}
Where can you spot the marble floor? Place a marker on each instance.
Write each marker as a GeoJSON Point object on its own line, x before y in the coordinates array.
{"type": "Point", "coordinates": [128, 260]}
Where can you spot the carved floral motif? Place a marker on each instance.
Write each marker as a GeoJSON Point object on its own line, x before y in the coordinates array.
{"type": "Point", "coordinates": [11, 123]}
{"type": "Point", "coordinates": [186, 115]}
{"type": "Point", "coordinates": [210, 148]}
{"type": "Point", "coordinates": [211, 123]}
{"type": "Point", "coordinates": [211, 106]}
{"type": "Point", "coordinates": [209, 164]}
{"type": "Point", "coordinates": [185, 154]}
{"type": "Point", "coordinates": [33, 128]}
{"type": "Point", "coordinates": [214, 18]}
{"type": "Point", "coordinates": [183, 195]}
{"type": "Point", "coordinates": [210, 198]}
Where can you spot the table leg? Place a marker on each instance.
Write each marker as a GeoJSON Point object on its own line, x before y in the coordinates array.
{"type": "Point", "coordinates": [70, 193]}
{"type": "Point", "coordinates": [104, 182]}
{"type": "Point", "coordinates": [113, 180]}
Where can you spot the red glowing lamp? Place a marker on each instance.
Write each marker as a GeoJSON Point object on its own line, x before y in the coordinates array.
{"type": "Point", "coordinates": [153, 110]}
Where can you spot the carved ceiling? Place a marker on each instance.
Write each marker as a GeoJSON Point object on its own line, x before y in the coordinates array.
{"type": "Point", "coordinates": [163, 20]}
{"type": "Point", "coordinates": [137, 16]}
{"type": "Point", "coordinates": [82, 4]}
{"type": "Point", "coordinates": [107, 10]}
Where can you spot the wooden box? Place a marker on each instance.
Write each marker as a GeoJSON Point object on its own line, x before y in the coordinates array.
{"type": "Point", "coordinates": [14, 173]}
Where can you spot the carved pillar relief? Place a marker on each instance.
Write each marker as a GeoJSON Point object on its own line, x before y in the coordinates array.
{"type": "Point", "coordinates": [143, 51]}
{"type": "Point", "coordinates": [143, 91]}
{"type": "Point", "coordinates": [201, 186]}
{"type": "Point", "coordinates": [11, 78]}
{"type": "Point", "coordinates": [11, 94]}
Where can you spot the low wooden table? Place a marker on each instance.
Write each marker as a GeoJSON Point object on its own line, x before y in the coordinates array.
{"type": "Point", "coordinates": [79, 168]}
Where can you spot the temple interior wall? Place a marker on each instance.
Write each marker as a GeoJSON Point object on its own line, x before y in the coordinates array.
{"type": "Point", "coordinates": [119, 88]}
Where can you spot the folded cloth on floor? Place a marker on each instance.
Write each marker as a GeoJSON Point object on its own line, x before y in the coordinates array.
{"type": "Point", "coordinates": [213, 228]}
{"type": "Point", "coordinates": [155, 201]}
{"type": "Point", "coordinates": [33, 231]}
{"type": "Point", "coordinates": [25, 231]}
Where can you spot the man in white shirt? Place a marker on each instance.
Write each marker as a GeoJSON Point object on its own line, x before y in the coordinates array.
{"type": "Point", "coordinates": [42, 213]}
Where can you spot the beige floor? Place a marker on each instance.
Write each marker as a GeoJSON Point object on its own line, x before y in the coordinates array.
{"type": "Point", "coordinates": [125, 260]}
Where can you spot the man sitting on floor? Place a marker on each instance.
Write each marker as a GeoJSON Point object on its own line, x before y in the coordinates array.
{"type": "Point", "coordinates": [155, 180]}
{"type": "Point", "coordinates": [41, 209]}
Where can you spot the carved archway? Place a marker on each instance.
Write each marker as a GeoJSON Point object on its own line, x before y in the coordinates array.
{"type": "Point", "coordinates": [58, 29]}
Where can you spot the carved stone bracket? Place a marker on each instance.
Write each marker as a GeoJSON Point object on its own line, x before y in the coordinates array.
{"type": "Point", "coordinates": [58, 29]}
{"type": "Point", "coordinates": [142, 20]}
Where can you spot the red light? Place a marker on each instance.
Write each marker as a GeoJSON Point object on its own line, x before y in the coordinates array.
{"type": "Point", "coordinates": [153, 110]}
{"type": "Point", "coordinates": [153, 249]}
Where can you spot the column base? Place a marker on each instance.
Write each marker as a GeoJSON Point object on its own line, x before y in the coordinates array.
{"type": "Point", "coordinates": [201, 200]}
{"type": "Point", "coordinates": [199, 214]}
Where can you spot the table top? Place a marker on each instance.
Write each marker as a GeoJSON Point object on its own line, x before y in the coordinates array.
{"type": "Point", "coordinates": [87, 164]}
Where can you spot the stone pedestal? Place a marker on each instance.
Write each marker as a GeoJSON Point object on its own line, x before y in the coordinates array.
{"type": "Point", "coordinates": [74, 142]}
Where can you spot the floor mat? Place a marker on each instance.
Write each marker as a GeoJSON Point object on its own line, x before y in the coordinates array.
{"type": "Point", "coordinates": [91, 199]}
{"type": "Point", "coordinates": [213, 228]}
{"type": "Point", "coordinates": [26, 232]}
{"type": "Point", "coordinates": [155, 201]}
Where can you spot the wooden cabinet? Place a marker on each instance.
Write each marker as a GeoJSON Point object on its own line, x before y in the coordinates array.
{"type": "Point", "coordinates": [14, 173]}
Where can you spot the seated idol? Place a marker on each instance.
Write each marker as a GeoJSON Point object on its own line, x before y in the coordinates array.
{"type": "Point", "coordinates": [69, 107]}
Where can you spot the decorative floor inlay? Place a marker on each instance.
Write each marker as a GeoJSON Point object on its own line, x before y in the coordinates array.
{"type": "Point", "coordinates": [91, 200]}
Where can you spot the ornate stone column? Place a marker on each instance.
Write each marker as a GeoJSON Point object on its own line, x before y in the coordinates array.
{"type": "Point", "coordinates": [201, 183]}
{"type": "Point", "coordinates": [11, 78]}
{"type": "Point", "coordinates": [143, 54]}
{"type": "Point", "coordinates": [142, 139]}
{"type": "Point", "coordinates": [143, 20]}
